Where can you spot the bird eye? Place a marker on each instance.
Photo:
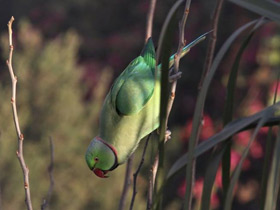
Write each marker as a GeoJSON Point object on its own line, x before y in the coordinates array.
{"type": "Point", "coordinates": [96, 159]}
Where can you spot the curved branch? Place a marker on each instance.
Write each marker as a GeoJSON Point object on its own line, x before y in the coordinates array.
{"type": "Point", "coordinates": [127, 181]}
{"type": "Point", "coordinates": [19, 152]}
{"type": "Point", "coordinates": [150, 18]}
{"type": "Point", "coordinates": [135, 175]}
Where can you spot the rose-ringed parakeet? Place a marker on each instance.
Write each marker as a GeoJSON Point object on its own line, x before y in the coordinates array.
{"type": "Point", "coordinates": [130, 111]}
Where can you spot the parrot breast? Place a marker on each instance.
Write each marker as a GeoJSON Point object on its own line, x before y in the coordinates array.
{"type": "Point", "coordinates": [124, 132]}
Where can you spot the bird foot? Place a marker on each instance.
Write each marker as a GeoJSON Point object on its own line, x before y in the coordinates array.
{"type": "Point", "coordinates": [167, 135]}
{"type": "Point", "coordinates": [174, 76]}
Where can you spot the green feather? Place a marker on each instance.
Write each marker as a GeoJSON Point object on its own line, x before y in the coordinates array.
{"type": "Point", "coordinates": [131, 108]}
{"type": "Point", "coordinates": [135, 86]}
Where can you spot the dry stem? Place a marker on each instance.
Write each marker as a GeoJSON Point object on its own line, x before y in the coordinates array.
{"type": "Point", "coordinates": [177, 58]}
{"type": "Point", "coordinates": [207, 65]}
{"type": "Point", "coordinates": [152, 178]}
{"type": "Point", "coordinates": [19, 152]}
{"type": "Point", "coordinates": [212, 41]}
{"type": "Point", "coordinates": [0, 198]}
{"type": "Point", "coordinates": [150, 18]}
{"type": "Point", "coordinates": [127, 181]}
{"type": "Point", "coordinates": [135, 175]}
{"type": "Point", "coordinates": [46, 202]}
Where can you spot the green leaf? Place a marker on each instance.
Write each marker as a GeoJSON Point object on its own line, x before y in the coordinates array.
{"type": "Point", "coordinates": [210, 176]}
{"type": "Point", "coordinates": [264, 117]}
{"type": "Point", "coordinates": [228, 113]}
{"type": "Point", "coordinates": [273, 182]}
{"type": "Point", "coordinates": [267, 158]}
{"type": "Point", "coordinates": [163, 56]}
{"type": "Point", "coordinates": [267, 8]}
{"type": "Point", "coordinates": [201, 101]}
{"type": "Point", "coordinates": [232, 128]}
{"type": "Point", "coordinates": [266, 167]}
{"type": "Point", "coordinates": [267, 193]}
{"type": "Point", "coordinates": [164, 52]}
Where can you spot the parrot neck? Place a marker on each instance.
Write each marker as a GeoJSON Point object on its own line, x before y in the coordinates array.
{"type": "Point", "coordinates": [113, 149]}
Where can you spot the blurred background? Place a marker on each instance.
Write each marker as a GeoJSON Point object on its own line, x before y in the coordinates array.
{"type": "Point", "coordinates": [67, 54]}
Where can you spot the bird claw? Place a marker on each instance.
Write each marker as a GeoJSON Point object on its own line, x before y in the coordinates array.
{"type": "Point", "coordinates": [175, 76]}
{"type": "Point", "coordinates": [167, 135]}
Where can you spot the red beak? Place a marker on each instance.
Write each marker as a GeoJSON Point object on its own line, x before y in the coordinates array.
{"type": "Point", "coordinates": [100, 173]}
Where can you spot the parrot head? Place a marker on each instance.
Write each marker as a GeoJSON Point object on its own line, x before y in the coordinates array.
{"type": "Point", "coordinates": [101, 157]}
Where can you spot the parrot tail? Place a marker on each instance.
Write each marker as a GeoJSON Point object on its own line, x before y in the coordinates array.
{"type": "Point", "coordinates": [187, 48]}
{"type": "Point", "coordinates": [148, 53]}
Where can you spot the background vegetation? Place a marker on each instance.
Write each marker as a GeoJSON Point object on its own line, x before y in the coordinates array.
{"type": "Point", "coordinates": [66, 56]}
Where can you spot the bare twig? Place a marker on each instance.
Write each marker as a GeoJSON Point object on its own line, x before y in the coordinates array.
{"type": "Point", "coordinates": [135, 175]}
{"type": "Point", "coordinates": [0, 182]}
{"type": "Point", "coordinates": [0, 198]}
{"type": "Point", "coordinates": [150, 18]}
{"type": "Point", "coordinates": [212, 41]}
{"type": "Point", "coordinates": [159, 162]}
{"type": "Point", "coordinates": [188, 193]}
{"type": "Point", "coordinates": [181, 44]}
{"type": "Point", "coordinates": [19, 152]}
{"type": "Point", "coordinates": [46, 201]}
{"type": "Point", "coordinates": [152, 178]}
{"type": "Point", "coordinates": [207, 65]}
{"type": "Point", "coordinates": [176, 66]}
{"type": "Point", "coordinates": [127, 182]}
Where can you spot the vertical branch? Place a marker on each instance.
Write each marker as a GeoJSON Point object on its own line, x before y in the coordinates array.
{"type": "Point", "coordinates": [159, 161]}
{"type": "Point", "coordinates": [207, 65]}
{"type": "Point", "coordinates": [135, 175]}
{"type": "Point", "coordinates": [212, 41]}
{"type": "Point", "coordinates": [19, 152]}
{"type": "Point", "coordinates": [150, 18]}
{"type": "Point", "coordinates": [209, 58]}
{"type": "Point", "coordinates": [127, 181]}
{"type": "Point", "coordinates": [0, 197]}
{"type": "Point", "coordinates": [152, 178]}
{"type": "Point", "coordinates": [46, 202]}
{"type": "Point", "coordinates": [149, 27]}
{"type": "Point", "coordinates": [0, 182]}
{"type": "Point", "coordinates": [181, 44]}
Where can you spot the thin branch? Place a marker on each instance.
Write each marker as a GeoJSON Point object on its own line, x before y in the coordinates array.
{"type": "Point", "coordinates": [159, 162]}
{"type": "Point", "coordinates": [19, 152]}
{"type": "Point", "coordinates": [152, 178]}
{"type": "Point", "coordinates": [46, 202]}
{"type": "Point", "coordinates": [150, 18]}
{"type": "Point", "coordinates": [149, 27]}
{"type": "Point", "coordinates": [181, 44]}
{"type": "Point", "coordinates": [127, 182]}
{"type": "Point", "coordinates": [212, 41]}
{"type": "Point", "coordinates": [208, 63]}
{"type": "Point", "coordinates": [0, 182]}
{"type": "Point", "coordinates": [135, 175]}
{"type": "Point", "coordinates": [192, 165]}
{"type": "Point", "coordinates": [0, 198]}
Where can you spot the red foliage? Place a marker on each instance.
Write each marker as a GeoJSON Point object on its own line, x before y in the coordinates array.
{"type": "Point", "coordinates": [197, 192]}
{"type": "Point", "coordinates": [206, 132]}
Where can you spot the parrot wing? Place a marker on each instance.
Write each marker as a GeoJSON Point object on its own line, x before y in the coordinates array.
{"type": "Point", "coordinates": [135, 86]}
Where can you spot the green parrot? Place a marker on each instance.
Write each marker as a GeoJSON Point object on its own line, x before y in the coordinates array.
{"type": "Point", "coordinates": [130, 111]}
